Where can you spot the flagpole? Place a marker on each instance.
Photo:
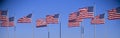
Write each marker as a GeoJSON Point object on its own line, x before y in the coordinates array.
{"type": "Point", "coordinates": [33, 32]}
{"type": "Point", "coordinates": [95, 24]}
{"type": "Point", "coordinates": [14, 27]}
{"type": "Point", "coordinates": [8, 30]}
{"type": "Point", "coordinates": [48, 33]}
{"type": "Point", "coordinates": [82, 36]}
{"type": "Point", "coordinates": [106, 32]}
{"type": "Point", "coordinates": [60, 29]}
{"type": "Point", "coordinates": [94, 31]}
{"type": "Point", "coordinates": [82, 31]}
{"type": "Point", "coordinates": [8, 24]}
{"type": "Point", "coordinates": [15, 32]}
{"type": "Point", "coordinates": [33, 29]}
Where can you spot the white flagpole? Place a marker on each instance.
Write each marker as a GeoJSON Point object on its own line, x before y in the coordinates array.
{"type": "Point", "coordinates": [60, 29]}
{"type": "Point", "coordinates": [33, 27]}
{"type": "Point", "coordinates": [60, 25]}
{"type": "Point", "coordinates": [82, 31]}
{"type": "Point", "coordinates": [14, 31]}
{"type": "Point", "coordinates": [8, 23]}
{"type": "Point", "coordinates": [48, 30]}
{"type": "Point", "coordinates": [8, 30]}
{"type": "Point", "coordinates": [33, 32]}
{"type": "Point", "coordinates": [94, 25]}
{"type": "Point", "coordinates": [14, 27]}
{"type": "Point", "coordinates": [106, 32]}
{"type": "Point", "coordinates": [48, 33]}
{"type": "Point", "coordinates": [94, 31]}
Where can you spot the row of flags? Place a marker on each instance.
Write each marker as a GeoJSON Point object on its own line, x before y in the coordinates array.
{"type": "Point", "coordinates": [74, 20]}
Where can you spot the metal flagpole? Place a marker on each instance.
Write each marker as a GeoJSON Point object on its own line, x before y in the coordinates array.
{"type": "Point", "coordinates": [8, 30]}
{"type": "Point", "coordinates": [106, 32]}
{"type": "Point", "coordinates": [95, 24]}
{"type": "Point", "coordinates": [8, 24]}
{"type": "Point", "coordinates": [82, 31]}
{"type": "Point", "coordinates": [33, 28]}
{"type": "Point", "coordinates": [94, 31]}
{"type": "Point", "coordinates": [60, 29]}
{"type": "Point", "coordinates": [48, 33]}
{"type": "Point", "coordinates": [14, 31]}
{"type": "Point", "coordinates": [48, 30]}
{"type": "Point", "coordinates": [14, 27]}
{"type": "Point", "coordinates": [33, 31]}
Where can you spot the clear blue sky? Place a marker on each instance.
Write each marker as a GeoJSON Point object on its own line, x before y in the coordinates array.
{"type": "Point", "coordinates": [41, 8]}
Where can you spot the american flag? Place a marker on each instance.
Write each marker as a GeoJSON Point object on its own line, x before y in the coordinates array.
{"type": "Point", "coordinates": [73, 23]}
{"type": "Point", "coordinates": [114, 13]}
{"type": "Point", "coordinates": [25, 19]}
{"type": "Point", "coordinates": [98, 19]}
{"type": "Point", "coordinates": [52, 19]}
{"type": "Point", "coordinates": [3, 15]}
{"type": "Point", "coordinates": [41, 22]}
{"type": "Point", "coordinates": [73, 20]}
{"type": "Point", "coordinates": [87, 12]}
{"type": "Point", "coordinates": [8, 23]}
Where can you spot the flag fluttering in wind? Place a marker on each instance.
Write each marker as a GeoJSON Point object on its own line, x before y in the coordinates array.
{"type": "Point", "coordinates": [25, 19]}
{"type": "Point", "coordinates": [3, 15]}
{"type": "Point", "coordinates": [41, 23]}
{"type": "Point", "coordinates": [87, 12]}
{"type": "Point", "coordinates": [79, 17]}
{"type": "Point", "coordinates": [8, 23]}
{"type": "Point", "coordinates": [98, 19]}
{"type": "Point", "coordinates": [52, 19]}
{"type": "Point", "coordinates": [114, 13]}
{"type": "Point", "coordinates": [72, 21]}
